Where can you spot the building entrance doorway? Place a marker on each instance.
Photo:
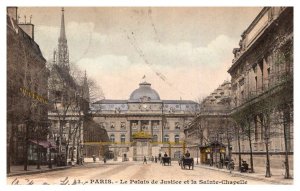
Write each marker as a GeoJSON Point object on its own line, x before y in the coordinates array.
{"type": "Point", "coordinates": [142, 146]}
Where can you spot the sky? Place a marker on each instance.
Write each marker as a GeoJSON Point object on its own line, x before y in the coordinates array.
{"type": "Point", "coordinates": [184, 52]}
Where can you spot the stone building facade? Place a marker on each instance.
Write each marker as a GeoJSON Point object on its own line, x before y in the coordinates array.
{"type": "Point", "coordinates": [262, 88]}
{"type": "Point", "coordinates": [257, 110]}
{"type": "Point", "coordinates": [27, 100]}
{"type": "Point", "coordinates": [212, 124]}
{"type": "Point", "coordinates": [144, 114]}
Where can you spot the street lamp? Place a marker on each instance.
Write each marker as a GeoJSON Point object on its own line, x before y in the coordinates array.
{"type": "Point", "coordinates": [197, 153]}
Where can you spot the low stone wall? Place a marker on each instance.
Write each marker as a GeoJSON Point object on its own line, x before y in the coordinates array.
{"type": "Point", "coordinates": [259, 160]}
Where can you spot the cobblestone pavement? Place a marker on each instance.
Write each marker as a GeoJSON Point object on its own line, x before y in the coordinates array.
{"type": "Point", "coordinates": [131, 173]}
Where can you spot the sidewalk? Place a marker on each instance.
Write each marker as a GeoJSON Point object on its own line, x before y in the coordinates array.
{"type": "Point", "coordinates": [17, 170]}
{"type": "Point", "coordinates": [276, 178]}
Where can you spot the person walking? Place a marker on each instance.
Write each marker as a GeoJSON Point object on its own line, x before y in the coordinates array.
{"type": "Point", "coordinates": [145, 160]}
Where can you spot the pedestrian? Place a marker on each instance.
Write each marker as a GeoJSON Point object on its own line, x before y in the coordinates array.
{"type": "Point", "coordinates": [155, 159]}
{"type": "Point", "coordinates": [165, 155]}
{"type": "Point", "coordinates": [145, 160]}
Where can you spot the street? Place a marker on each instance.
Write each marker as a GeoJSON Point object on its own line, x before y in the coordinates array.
{"type": "Point", "coordinates": [131, 173]}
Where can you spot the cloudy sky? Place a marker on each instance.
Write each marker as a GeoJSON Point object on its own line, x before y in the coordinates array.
{"type": "Point", "coordinates": [184, 52]}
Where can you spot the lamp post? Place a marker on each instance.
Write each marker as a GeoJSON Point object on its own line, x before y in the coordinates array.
{"type": "Point", "coordinates": [197, 154]}
{"type": "Point", "coordinates": [169, 148]}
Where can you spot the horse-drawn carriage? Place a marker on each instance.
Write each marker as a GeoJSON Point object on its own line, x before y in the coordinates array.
{"type": "Point", "coordinates": [165, 160]}
{"type": "Point", "coordinates": [186, 161]}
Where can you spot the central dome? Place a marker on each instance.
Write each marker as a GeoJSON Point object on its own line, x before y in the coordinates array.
{"type": "Point", "coordinates": [144, 92]}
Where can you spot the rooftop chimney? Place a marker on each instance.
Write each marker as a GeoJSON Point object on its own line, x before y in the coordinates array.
{"type": "Point", "coordinates": [28, 28]}
{"type": "Point", "coordinates": [12, 12]}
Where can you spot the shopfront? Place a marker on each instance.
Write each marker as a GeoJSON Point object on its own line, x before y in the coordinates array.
{"type": "Point", "coordinates": [213, 154]}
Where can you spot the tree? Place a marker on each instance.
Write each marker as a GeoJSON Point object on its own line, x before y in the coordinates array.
{"type": "Point", "coordinates": [63, 97]}
{"type": "Point", "coordinates": [243, 119]}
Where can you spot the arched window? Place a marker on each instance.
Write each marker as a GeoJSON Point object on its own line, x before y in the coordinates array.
{"type": "Point", "coordinates": [123, 138]}
{"type": "Point", "coordinates": [166, 138]}
{"type": "Point", "coordinates": [112, 125]}
{"type": "Point", "coordinates": [176, 138]}
{"type": "Point", "coordinates": [112, 138]}
{"type": "Point", "coordinates": [177, 126]}
{"type": "Point", "coordinates": [155, 138]}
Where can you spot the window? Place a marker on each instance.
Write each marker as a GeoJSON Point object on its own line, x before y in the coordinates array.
{"type": "Point", "coordinates": [256, 83]}
{"type": "Point", "coordinates": [255, 69]}
{"type": "Point", "coordinates": [166, 138]}
{"type": "Point", "coordinates": [167, 126]}
{"type": "Point", "coordinates": [255, 128]}
{"type": "Point", "coordinates": [172, 110]}
{"type": "Point", "coordinates": [155, 138]}
{"type": "Point", "coordinates": [269, 72]}
{"type": "Point", "coordinates": [145, 125]}
{"type": "Point", "coordinates": [134, 125]}
{"type": "Point", "coordinates": [123, 138]}
{"type": "Point", "coordinates": [112, 138]}
{"type": "Point", "coordinates": [155, 125]}
{"type": "Point", "coordinates": [176, 138]}
{"type": "Point", "coordinates": [177, 126]}
{"type": "Point", "coordinates": [123, 126]}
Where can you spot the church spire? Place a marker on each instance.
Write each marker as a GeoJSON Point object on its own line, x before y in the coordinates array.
{"type": "Point", "coordinates": [62, 36]}
{"type": "Point", "coordinates": [63, 52]}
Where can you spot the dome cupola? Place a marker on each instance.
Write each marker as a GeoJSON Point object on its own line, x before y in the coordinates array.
{"type": "Point", "coordinates": [144, 93]}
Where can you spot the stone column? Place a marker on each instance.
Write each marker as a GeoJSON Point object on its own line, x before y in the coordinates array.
{"type": "Point", "coordinates": [151, 128]}
{"type": "Point", "coordinates": [140, 125]}
{"type": "Point", "coordinates": [130, 130]}
{"type": "Point", "coordinates": [162, 131]}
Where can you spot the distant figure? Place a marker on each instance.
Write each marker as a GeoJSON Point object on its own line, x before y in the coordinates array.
{"type": "Point", "coordinates": [152, 159]}
{"type": "Point", "coordinates": [159, 156]}
{"type": "Point", "coordinates": [145, 160]}
{"type": "Point", "coordinates": [81, 160]}
{"type": "Point", "coordinates": [155, 159]}
{"type": "Point", "coordinates": [104, 160]}
{"type": "Point", "coordinates": [187, 154]}
{"type": "Point", "coordinates": [165, 155]}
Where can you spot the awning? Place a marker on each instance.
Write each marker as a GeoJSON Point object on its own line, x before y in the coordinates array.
{"type": "Point", "coordinates": [43, 143]}
{"type": "Point", "coordinates": [213, 144]}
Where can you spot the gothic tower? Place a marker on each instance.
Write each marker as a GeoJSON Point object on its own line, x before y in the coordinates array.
{"type": "Point", "coordinates": [86, 92]}
{"type": "Point", "coordinates": [62, 57]}
{"type": "Point", "coordinates": [85, 95]}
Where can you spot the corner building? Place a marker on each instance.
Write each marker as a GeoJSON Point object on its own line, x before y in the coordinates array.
{"type": "Point", "coordinates": [262, 88]}
{"type": "Point", "coordinates": [158, 124]}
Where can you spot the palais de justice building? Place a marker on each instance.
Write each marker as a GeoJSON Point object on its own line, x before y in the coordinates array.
{"type": "Point", "coordinates": [144, 125]}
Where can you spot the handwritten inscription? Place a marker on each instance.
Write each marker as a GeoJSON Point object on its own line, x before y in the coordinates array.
{"type": "Point", "coordinates": [69, 181]}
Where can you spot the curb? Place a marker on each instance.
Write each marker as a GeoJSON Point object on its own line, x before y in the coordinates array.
{"type": "Point", "coordinates": [247, 176]}
{"type": "Point", "coordinates": [38, 171]}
